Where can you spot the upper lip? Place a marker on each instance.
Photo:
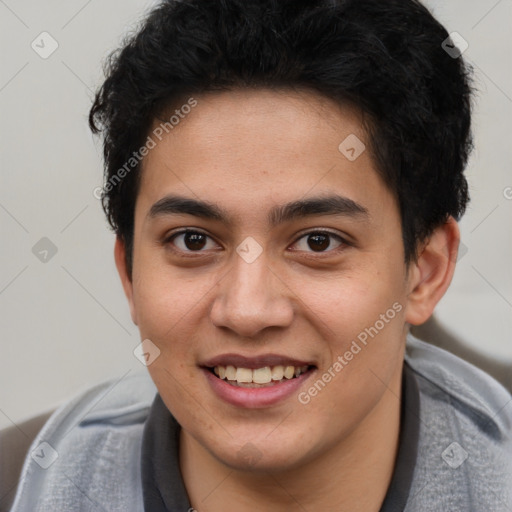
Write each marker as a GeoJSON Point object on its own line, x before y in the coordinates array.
{"type": "Point", "coordinates": [253, 362]}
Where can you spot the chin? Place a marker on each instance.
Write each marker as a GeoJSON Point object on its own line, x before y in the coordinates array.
{"type": "Point", "coordinates": [261, 456]}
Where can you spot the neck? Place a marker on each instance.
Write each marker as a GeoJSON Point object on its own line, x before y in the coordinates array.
{"type": "Point", "coordinates": [352, 475]}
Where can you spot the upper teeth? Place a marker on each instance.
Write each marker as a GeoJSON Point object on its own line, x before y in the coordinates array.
{"type": "Point", "coordinates": [260, 375]}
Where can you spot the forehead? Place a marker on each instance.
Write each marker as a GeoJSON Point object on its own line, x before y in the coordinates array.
{"type": "Point", "coordinates": [252, 148]}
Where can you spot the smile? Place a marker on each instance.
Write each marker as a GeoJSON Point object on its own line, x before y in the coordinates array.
{"type": "Point", "coordinates": [256, 382]}
{"type": "Point", "coordinates": [258, 377]}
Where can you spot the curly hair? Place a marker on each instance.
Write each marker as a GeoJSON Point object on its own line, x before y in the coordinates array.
{"type": "Point", "coordinates": [386, 58]}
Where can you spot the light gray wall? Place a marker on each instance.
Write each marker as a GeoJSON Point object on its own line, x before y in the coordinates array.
{"type": "Point", "coordinates": [64, 323]}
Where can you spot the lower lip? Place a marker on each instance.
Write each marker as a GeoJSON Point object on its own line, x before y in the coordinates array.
{"type": "Point", "coordinates": [254, 398]}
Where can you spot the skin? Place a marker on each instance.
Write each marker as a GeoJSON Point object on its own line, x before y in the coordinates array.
{"type": "Point", "coordinates": [248, 151]}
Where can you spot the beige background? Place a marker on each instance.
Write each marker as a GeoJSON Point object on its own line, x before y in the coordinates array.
{"type": "Point", "coordinates": [65, 324]}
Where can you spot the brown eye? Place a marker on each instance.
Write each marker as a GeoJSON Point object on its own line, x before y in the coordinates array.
{"type": "Point", "coordinates": [319, 241]}
{"type": "Point", "coordinates": [194, 241]}
{"type": "Point", "coordinates": [191, 241]}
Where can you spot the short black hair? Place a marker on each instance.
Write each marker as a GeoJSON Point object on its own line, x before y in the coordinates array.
{"type": "Point", "coordinates": [384, 57]}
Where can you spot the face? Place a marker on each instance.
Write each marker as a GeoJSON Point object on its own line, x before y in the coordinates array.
{"type": "Point", "coordinates": [259, 245]}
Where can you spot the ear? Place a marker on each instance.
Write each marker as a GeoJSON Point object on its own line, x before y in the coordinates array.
{"type": "Point", "coordinates": [430, 276]}
{"type": "Point", "coordinates": [126, 278]}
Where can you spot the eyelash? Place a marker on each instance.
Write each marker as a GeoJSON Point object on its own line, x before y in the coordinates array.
{"type": "Point", "coordinates": [189, 253]}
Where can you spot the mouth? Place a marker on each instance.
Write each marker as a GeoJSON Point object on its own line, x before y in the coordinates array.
{"type": "Point", "coordinates": [264, 376]}
{"type": "Point", "coordinates": [256, 382]}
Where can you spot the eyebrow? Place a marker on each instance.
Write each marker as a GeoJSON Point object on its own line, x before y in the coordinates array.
{"type": "Point", "coordinates": [328, 205]}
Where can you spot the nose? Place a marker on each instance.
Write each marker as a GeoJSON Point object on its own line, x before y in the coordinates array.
{"type": "Point", "coordinates": [252, 297]}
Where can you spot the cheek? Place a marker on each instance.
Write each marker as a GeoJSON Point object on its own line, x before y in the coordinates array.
{"type": "Point", "coordinates": [365, 346]}
{"type": "Point", "coordinates": [361, 321]}
{"type": "Point", "coordinates": [347, 303]}
{"type": "Point", "coordinates": [166, 299]}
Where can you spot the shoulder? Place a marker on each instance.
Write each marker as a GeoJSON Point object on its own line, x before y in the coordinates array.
{"type": "Point", "coordinates": [461, 380]}
{"type": "Point", "coordinates": [465, 446]}
{"type": "Point", "coordinates": [88, 452]}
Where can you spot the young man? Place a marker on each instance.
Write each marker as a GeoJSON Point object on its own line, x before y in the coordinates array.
{"type": "Point", "coordinates": [284, 179]}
